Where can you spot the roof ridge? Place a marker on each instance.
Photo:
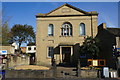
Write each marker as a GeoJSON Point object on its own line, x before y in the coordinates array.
{"type": "Point", "coordinates": [113, 28]}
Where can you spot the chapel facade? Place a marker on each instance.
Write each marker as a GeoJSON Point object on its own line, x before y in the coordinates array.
{"type": "Point", "coordinates": [61, 32]}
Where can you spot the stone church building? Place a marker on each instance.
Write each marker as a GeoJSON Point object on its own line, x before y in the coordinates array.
{"type": "Point", "coordinates": [61, 32]}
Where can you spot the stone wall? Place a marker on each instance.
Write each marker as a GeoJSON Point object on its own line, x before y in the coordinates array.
{"type": "Point", "coordinates": [16, 60]}
{"type": "Point", "coordinates": [89, 73]}
{"type": "Point", "coordinates": [28, 73]}
{"type": "Point", "coordinates": [45, 74]}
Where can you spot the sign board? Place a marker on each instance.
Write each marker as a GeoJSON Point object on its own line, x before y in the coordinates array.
{"type": "Point", "coordinates": [106, 72]}
{"type": "Point", "coordinates": [95, 62]}
{"type": "Point", "coordinates": [3, 52]}
{"type": "Point", "coordinates": [117, 48]}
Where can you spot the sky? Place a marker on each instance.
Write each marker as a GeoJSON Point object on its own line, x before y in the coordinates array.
{"type": "Point", "coordinates": [24, 12]}
{"type": "Point", "coordinates": [60, 0]}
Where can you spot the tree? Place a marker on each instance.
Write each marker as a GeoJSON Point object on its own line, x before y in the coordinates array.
{"type": "Point", "coordinates": [6, 35]}
{"type": "Point", "coordinates": [90, 46]}
{"type": "Point", "coordinates": [22, 34]}
{"type": "Point", "coordinates": [4, 28]}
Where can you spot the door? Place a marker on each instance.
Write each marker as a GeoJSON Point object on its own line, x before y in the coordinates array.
{"type": "Point", "coordinates": [66, 53]}
{"type": "Point", "coordinates": [32, 59]}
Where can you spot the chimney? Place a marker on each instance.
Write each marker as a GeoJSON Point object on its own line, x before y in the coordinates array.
{"type": "Point", "coordinates": [104, 25]}
{"type": "Point", "coordinates": [101, 26]}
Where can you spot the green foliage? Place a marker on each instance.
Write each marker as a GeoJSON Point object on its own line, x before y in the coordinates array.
{"type": "Point", "coordinates": [22, 34]}
{"type": "Point", "coordinates": [27, 54]}
{"type": "Point", "coordinates": [6, 35]}
{"type": "Point", "coordinates": [4, 28]}
{"type": "Point", "coordinates": [90, 46]}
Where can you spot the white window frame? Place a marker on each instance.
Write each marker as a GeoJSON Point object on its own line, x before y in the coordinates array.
{"type": "Point", "coordinates": [66, 29]}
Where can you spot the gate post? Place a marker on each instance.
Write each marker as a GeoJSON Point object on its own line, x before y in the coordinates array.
{"type": "Point", "coordinates": [54, 68]}
{"type": "Point", "coordinates": [78, 69]}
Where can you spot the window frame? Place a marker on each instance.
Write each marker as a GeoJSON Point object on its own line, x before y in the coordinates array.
{"type": "Point", "coordinates": [34, 48]}
{"type": "Point", "coordinates": [82, 29]}
{"type": "Point", "coordinates": [66, 29]}
{"type": "Point", "coordinates": [48, 52]}
{"type": "Point", "coordinates": [103, 61]}
{"type": "Point", "coordinates": [29, 48]}
{"type": "Point", "coordinates": [51, 32]}
{"type": "Point", "coordinates": [98, 62]}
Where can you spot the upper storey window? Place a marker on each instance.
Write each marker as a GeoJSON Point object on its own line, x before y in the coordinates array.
{"type": "Point", "coordinates": [50, 29]}
{"type": "Point", "coordinates": [66, 29]}
{"type": "Point", "coordinates": [82, 29]}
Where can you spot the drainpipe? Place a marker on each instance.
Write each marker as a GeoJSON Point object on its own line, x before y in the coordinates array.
{"type": "Point", "coordinates": [91, 26]}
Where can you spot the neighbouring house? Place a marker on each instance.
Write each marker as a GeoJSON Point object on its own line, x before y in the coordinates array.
{"type": "Point", "coordinates": [118, 43]}
{"type": "Point", "coordinates": [116, 32]}
{"type": "Point", "coordinates": [7, 50]}
{"type": "Point", "coordinates": [107, 44]}
{"type": "Point", "coordinates": [23, 49]}
{"type": "Point", "coordinates": [61, 32]}
{"type": "Point", "coordinates": [10, 58]}
{"type": "Point", "coordinates": [31, 49]}
{"type": "Point", "coordinates": [14, 48]}
{"type": "Point", "coordinates": [4, 51]}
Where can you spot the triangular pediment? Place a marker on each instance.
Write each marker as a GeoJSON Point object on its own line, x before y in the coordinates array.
{"type": "Point", "coordinates": [66, 9]}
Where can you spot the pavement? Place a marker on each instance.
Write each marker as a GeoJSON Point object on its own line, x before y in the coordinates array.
{"type": "Point", "coordinates": [62, 79]}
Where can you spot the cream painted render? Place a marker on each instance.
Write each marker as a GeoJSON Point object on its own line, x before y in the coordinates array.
{"type": "Point", "coordinates": [65, 13]}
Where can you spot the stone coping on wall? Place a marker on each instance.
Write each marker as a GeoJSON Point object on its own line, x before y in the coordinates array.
{"type": "Point", "coordinates": [31, 67]}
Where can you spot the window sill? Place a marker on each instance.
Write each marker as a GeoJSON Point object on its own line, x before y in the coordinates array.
{"type": "Point", "coordinates": [65, 36]}
{"type": "Point", "coordinates": [50, 36]}
{"type": "Point", "coordinates": [82, 35]}
{"type": "Point", "coordinates": [48, 57]}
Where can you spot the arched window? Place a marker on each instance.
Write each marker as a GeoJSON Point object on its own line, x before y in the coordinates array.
{"type": "Point", "coordinates": [66, 29]}
{"type": "Point", "coordinates": [82, 29]}
{"type": "Point", "coordinates": [50, 29]}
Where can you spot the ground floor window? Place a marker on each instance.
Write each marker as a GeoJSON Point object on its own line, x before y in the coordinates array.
{"type": "Point", "coordinates": [96, 62]}
{"type": "Point", "coordinates": [50, 52]}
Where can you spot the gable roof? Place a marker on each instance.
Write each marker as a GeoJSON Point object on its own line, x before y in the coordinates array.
{"type": "Point", "coordinates": [114, 31]}
{"type": "Point", "coordinates": [68, 5]}
{"type": "Point", "coordinates": [31, 44]}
